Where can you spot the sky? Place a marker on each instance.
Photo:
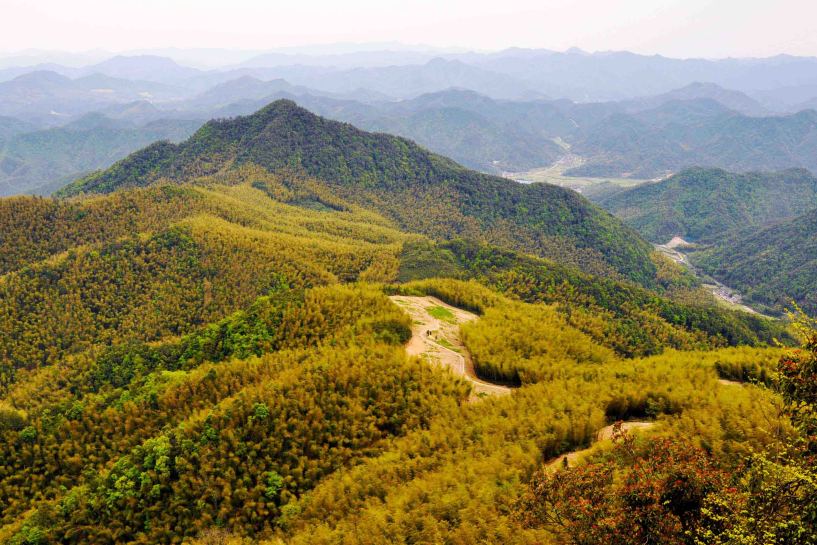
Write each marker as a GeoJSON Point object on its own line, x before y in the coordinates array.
{"type": "Point", "coordinates": [675, 28]}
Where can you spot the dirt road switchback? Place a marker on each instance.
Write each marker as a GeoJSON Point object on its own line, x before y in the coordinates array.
{"type": "Point", "coordinates": [435, 336]}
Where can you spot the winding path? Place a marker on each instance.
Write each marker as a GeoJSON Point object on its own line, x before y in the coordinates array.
{"type": "Point", "coordinates": [604, 434]}
{"type": "Point", "coordinates": [437, 338]}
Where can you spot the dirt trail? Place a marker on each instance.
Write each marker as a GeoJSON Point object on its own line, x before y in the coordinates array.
{"type": "Point", "coordinates": [435, 335]}
{"type": "Point", "coordinates": [604, 434]}
{"type": "Point", "coordinates": [727, 382]}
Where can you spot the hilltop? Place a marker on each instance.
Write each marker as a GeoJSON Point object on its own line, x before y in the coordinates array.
{"type": "Point", "coordinates": [397, 178]}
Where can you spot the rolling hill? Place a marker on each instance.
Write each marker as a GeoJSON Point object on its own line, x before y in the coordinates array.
{"type": "Point", "coordinates": [10, 126]}
{"type": "Point", "coordinates": [700, 132]}
{"type": "Point", "coordinates": [703, 204]}
{"type": "Point", "coordinates": [397, 178]}
{"type": "Point", "coordinates": [471, 138]}
{"type": "Point", "coordinates": [50, 98]}
{"type": "Point", "coordinates": [731, 99]}
{"type": "Point", "coordinates": [409, 81]}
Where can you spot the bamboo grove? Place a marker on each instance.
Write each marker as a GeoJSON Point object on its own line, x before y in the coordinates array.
{"type": "Point", "coordinates": [217, 360]}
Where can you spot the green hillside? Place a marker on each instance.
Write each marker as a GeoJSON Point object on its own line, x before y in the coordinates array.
{"type": "Point", "coordinates": [771, 267]}
{"type": "Point", "coordinates": [210, 345]}
{"type": "Point", "coordinates": [472, 138]}
{"type": "Point", "coordinates": [681, 134]}
{"type": "Point", "coordinates": [422, 192]}
{"type": "Point", "coordinates": [216, 343]}
{"type": "Point", "coordinates": [702, 204]}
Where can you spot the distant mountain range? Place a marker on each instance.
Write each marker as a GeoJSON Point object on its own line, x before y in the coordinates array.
{"type": "Point", "coordinates": [615, 139]}
{"type": "Point", "coordinates": [733, 100]}
{"type": "Point", "coordinates": [51, 98]}
{"type": "Point", "coordinates": [482, 110]}
{"type": "Point", "coordinates": [701, 132]}
{"type": "Point", "coordinates": [620, 75]}
{"type": "Point", "coordinates": [780, 84]}
{"type": "Point", "coordinates": [645, 138]}
{"type": "Point", "coordinates": [611, 138]}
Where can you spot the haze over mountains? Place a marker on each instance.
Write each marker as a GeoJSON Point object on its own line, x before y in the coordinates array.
{"type": "Point", "coordinates": [573, 74]}
{"type": "Point", "coordinates": [654, 117]}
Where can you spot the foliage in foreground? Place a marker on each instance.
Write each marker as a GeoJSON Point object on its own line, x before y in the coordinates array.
{"type": "Point", "coordinates": [665, 491]}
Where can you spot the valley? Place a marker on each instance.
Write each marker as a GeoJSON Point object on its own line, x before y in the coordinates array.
{"type": "Point", "coordinates": [587, 186]}
{"type": "Point", "coordinates": [729, 297]}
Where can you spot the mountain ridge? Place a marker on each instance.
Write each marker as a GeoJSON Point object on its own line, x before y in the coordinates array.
{"type": "Point", "coordinates": [395, 176]}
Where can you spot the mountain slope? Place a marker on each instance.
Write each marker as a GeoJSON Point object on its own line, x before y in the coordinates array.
{"type": "Point", "coordinates": [42, 161]}
{"type": "Point", "coordinates": [423, 192]}
{"type": "Point", "coordinates": [10, 126]}
{"type": "Point", "coordinates": [472, 139]}
{"type": "Point", "coordinates": [702, 203]}
{"type": "Point", "coordinates": [770, 267]}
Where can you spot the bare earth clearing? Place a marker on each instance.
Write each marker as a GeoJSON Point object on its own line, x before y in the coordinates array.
{"type": "Point", "coordinates": [554, 174]}
{"type": "Point", "coordinates": [435, 335]}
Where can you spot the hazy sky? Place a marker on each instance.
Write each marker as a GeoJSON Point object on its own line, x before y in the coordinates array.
{"type": "Point", "coordinates": [678, 28]}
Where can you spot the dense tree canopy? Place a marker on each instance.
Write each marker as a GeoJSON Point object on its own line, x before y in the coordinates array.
{"type": "Point", "coordinates": [214, 357]}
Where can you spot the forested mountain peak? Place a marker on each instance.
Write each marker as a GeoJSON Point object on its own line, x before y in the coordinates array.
{"type": "Point", "coordinates": [279, 135]}
{"type": "Point", "coordinates": [398, 178]}
{"type": "Point", "coordinates": [731, 99]}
